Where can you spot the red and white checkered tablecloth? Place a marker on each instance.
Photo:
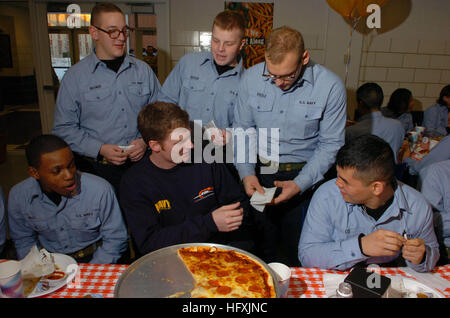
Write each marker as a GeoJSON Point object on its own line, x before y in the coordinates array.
{"type": "Point", "coordinates": [99, 281]}
{"type": "Point", "coordinates": [308, 282]}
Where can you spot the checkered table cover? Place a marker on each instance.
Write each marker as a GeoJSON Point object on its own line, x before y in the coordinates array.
{"type": "Point", "coordinates": [307, 282]}
{"type": "Point", "coordinates": [98, 281]}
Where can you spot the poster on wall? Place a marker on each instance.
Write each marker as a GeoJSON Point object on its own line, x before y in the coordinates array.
{"type": "Point", "coordinates": [259, 19]}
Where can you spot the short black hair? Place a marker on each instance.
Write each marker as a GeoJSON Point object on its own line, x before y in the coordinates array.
{"type": "Point", "coordinates": [399, 101]}
{"type": "Point", "coordinates": [371, 95]}
{"type": "Point", "coordinates": [41, 145]}
{"type": "Point", "coordinates": [445, 91]}
{"type": "Point", "coordinates": [370, 156]}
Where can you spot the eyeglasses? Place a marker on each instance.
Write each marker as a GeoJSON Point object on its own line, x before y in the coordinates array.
{"type": "Point", "coordinates": [289, 77]}
{"type": "Point", "coordinates": [115, 33]}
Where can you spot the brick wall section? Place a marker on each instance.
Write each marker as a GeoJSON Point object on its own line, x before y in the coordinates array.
{"type": "Point", "coordinates": [183, 42]}
{"type": "Point", "coordinates": [422, 66]}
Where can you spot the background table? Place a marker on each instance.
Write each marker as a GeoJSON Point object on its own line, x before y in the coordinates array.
{"type": "Point", "coordinates": [99, 281]}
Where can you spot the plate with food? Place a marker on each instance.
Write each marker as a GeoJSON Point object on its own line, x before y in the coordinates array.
{"type": "Point", "coordinates": [65, 270]}
{"type": "Point", "coordinates": [409, 288]}
{"type": "Point", "coordinates": [198, 270]}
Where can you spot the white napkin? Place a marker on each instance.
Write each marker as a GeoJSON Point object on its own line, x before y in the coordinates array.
{"type": "Point", "coordinates": [125, 148]}
{"type": "Point", "coordinates": [209, 129]}
{"type": "Point", "coordinates": [429, 279]}
{"type": "Point", "coordinates": [331, 283]}
{"type": "Point", "coordinates": [259, 201]}
{"type": "Point", "coordinates": [37, 263]}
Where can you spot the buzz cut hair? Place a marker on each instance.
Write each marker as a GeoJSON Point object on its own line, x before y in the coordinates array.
{"type": "Point", "coordinates": [100, 8]}
{"type": "Point", "coordinates": [41, 145]}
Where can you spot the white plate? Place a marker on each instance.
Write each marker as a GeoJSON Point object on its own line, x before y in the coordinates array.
{"type": "Point", "coordinates": [415, 286]}
{"type": "Point", "coordinates": [66, 264]}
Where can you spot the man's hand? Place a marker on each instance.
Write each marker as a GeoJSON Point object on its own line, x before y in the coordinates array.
{"type": "Point", "coordinates": [113, 154]}
{"type": "Point", "coordinates": [220, 137]}
{"type": "Point", "coordinates": [251, 184]}
{"type": "Point", "coordinates": [382, 243]}
{"type": "Point", "coordinates": [289, 189]}
{"type": "Point", "coordinates": [228, 217]}
{"type": "Point", "coordinates": [414, 250]}
{"type": "Point", "coordinates": [137, 152]}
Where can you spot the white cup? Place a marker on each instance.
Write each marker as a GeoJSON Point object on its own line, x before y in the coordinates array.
{"type": "Point", "coordinates": [283, 275]}
{"type": "Point", "coordinates": [11, 285]}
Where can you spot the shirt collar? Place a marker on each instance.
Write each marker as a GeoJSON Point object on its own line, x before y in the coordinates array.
{"type": "Point", "coordinates": [236, 70]}
{"type": "Point", "coordinates": [398, 206]}
{"type": "Point", "coordinates": [37, 193]}
{"type": "Point", "coordinates": [94, 61]}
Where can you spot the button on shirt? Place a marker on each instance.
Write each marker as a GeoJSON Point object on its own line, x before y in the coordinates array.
{"type": "Point", "coordinates": [195, 86]}
{"type": "Point", "coordinates": [97, 106]}
{"type": "Point", "coordinates": [304, 123]}
{"type": "Point", "coordinates": [436, 189]}
{"type": "Point", "coordinates": [435, 119]}
{"type": "Point", "coordinates": [330, 233]}
{"type": "Point", "coordinates": [388, 129]}
{"type": "Point", "coordinates": [2, 221]}
{"type": "Point", "coordinates": [74, 224]}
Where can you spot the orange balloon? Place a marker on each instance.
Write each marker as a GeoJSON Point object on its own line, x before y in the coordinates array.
{"type": "Point", "coordinates": [345, 8]}
{"type": "Point", "coordinates": [361, 6]}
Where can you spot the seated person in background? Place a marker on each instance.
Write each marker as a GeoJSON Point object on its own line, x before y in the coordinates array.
{"type": "Point", "coordinates": [435, 117]}
{"type": "Point", "coordinates": [63, 210]}
{"type": "Point", "coordinates": [370, 97]}
{"type": "Point", "coordinates": [167, 200]}
{"type": "Point", "coordinates": [363, 215]}
{"type": "Point", "coordinates": [399, 107]}
{"type": "Point", "coordinates": [2, 221]}
{"type": "Point", "coordinates": [436, 190]}
{"type": "Point", "coordinates": [440, 152]}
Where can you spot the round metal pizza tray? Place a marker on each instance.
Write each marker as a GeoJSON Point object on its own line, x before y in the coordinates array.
{"type": "Point", "coordinates": [161, 274]}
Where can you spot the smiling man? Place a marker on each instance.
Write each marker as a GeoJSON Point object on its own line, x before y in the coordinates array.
{"type": "Point", "coordinates": [366, 216]}
{"type": "Point", "coordinates": [167, 200]}
{"type": "Point", "coordinates": [100, 97]}
{"type": "Point", "coordinates": [306, 104]}
{"type": "Point", "coordinates": [205, 84]}
{"type": "Point", "coordinates": [62, 210]}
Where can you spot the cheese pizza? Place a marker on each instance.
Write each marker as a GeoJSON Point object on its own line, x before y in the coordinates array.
{"type": "Point", "coordinates": [221, 273]}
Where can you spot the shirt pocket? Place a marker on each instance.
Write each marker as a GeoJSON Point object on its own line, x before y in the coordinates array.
{"type": "Point", "coordinates": [43, 228]}
{"type": "Point", "coordinates": [193, 97]}
{"type": "Point", "coordinates": [312, 121]}
{"type": "Point", "coordinates": [97, 95]}
{"type": "Point", "coordinates": [85, 229]}
{"type": "Point", "coordinates": [139, 94]}
{"type": "Point", "coordinates": [261, 104]}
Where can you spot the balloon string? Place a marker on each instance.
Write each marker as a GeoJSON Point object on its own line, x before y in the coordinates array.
{"type": "Point", "coordinates": [355, 22]}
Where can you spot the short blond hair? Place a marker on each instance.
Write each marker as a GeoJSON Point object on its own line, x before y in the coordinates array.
{"type": "Point", "coordinates": [283, 40]}
{"type": "Point", "coordinates": [229, 20]}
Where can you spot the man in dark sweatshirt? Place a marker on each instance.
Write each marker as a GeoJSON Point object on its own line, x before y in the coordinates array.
{"type": "Point", "coordinates": [167, 200]}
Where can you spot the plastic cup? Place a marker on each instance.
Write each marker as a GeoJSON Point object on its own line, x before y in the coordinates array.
{"type": "Point", "coordinates": [11, 285]}
{"type": "Point", "coordinates": [283, 275]}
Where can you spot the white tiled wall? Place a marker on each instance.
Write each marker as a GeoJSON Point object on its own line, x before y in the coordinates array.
{"type": "Point", "coordinates": [422, 66]}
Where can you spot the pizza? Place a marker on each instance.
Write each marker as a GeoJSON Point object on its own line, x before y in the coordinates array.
{"type": "Point", "coordinates": [222, 273]}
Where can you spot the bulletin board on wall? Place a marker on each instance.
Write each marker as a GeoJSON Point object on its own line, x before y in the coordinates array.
{"type": "Point", "coordinates": [259, 19]}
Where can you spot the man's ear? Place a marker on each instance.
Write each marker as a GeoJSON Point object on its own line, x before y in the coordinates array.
{"type": "Point", "coordinates": [378, 187]}
{"type": "Point", "coordinates": [32, 172]}
{"type": "Point", "coordinates": [93, 32]}
{"type": "Point", "coordinates": [154, 145]}
{"type": "Point", "coordinates": [243, 41]}
{"type": "Point", "coordinates": [305, 57]}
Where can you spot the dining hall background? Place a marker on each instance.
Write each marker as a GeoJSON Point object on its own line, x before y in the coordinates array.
{"type": "Point", "coordinates": [411, 49]}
